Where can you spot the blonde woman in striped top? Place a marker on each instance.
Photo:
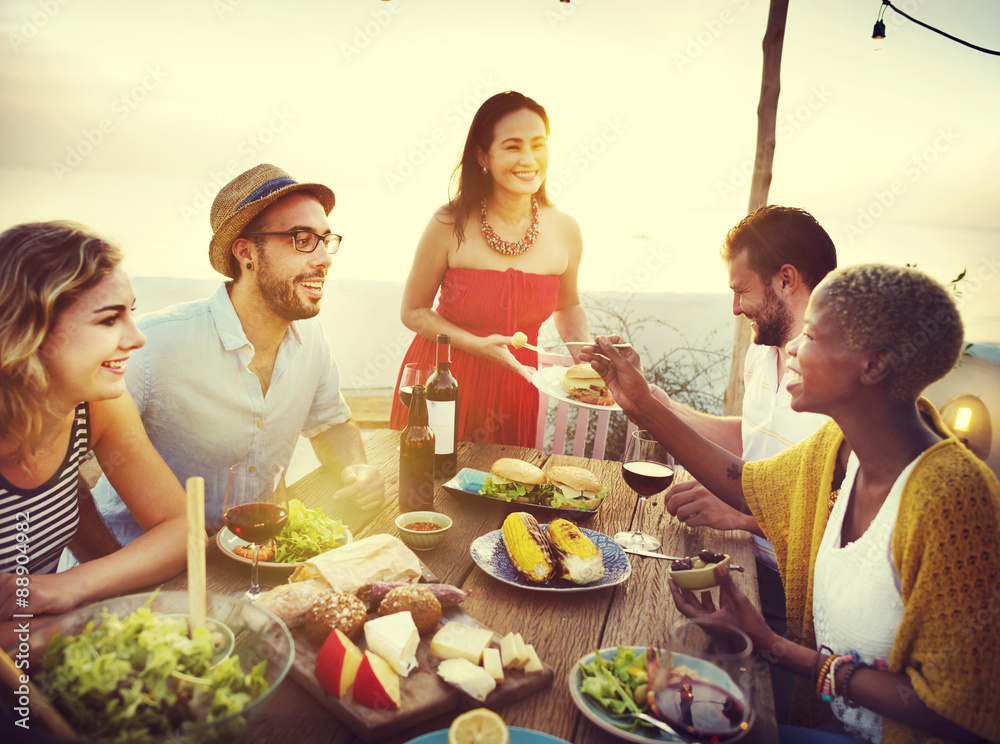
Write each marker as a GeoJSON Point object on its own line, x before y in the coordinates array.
{"type": "Point", "coordinates": [66, 332]}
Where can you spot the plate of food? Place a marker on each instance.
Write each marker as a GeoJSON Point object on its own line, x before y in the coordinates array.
{"type": "Point", "coordinates": [560, 491]}
{"type": "Point", "coordinates": [554, 557]}
{"type": "Point", "coordinates": [600, 699]}
{"type": "Point", "coordinates": [308, 533]}
{"type": "Point", "coordinates": [579, 385]}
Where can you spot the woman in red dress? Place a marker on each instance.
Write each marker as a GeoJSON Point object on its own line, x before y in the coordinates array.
{"type": "Point", "coordinates": [504, 260]}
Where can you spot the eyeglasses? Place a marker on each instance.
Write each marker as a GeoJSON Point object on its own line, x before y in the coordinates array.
{"type": "Point", "coordinates": [306, 241]}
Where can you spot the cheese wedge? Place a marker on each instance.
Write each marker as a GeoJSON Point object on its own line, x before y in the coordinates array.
{"type": "Point", "coordinates": [459, 641]}
{"type": "Point", "coordinates": [521, 650]}
{"type": "Point", "coordinates": [394, 638]}
{"type": "Point", "coordinates": [492, 664]}
{"type": "Point", "coordinates": [468, 677]}
{"type": "Point", "coordinates": [534, 663]}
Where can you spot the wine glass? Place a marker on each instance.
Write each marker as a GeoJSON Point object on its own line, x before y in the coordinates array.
{"type": "Point", "coordinates": [255, 508]}
{"type": "Point", "coordinates": [702, 684]}
{"type": "Point", "coordinates": [648, 469]}
{"type": "Point", "coordinates": [414, 373]}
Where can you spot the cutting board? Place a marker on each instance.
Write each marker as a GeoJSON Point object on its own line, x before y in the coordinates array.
{"type": "Point", "coordinates": [424, 695]}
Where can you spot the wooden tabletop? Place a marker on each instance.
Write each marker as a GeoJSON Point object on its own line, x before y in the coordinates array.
{"type": "Point", "coordinates": [563, 628]}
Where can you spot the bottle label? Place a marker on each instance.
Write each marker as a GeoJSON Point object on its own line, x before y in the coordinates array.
{"type": "Point", "coordinates": [441, 419]}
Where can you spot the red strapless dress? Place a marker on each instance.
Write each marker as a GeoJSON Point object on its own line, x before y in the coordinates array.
{"type": "Point", "coordinates": [495, 403]}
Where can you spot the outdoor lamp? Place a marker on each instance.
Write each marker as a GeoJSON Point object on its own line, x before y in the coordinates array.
{"type": "Point", "coordinates": [969, 419]}
{"type": "Point", "coordinates": [879, 31]}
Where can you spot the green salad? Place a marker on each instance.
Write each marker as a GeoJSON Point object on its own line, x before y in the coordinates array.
{"type": "Point", "coordinates": [121, 679]}
{"type": "Point", "coordinates": [618, 685]}
{"type": "Point", "coordinates": [308, 533]}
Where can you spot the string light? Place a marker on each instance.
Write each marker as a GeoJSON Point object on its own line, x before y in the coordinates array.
{"type": "Point", "coordinates": [879, 30]}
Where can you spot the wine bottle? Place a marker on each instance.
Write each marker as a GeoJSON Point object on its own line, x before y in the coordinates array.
{"type": "Point", "coordinates": [416, 458]}
{"type": "Point", "coordinates": [442, 411]}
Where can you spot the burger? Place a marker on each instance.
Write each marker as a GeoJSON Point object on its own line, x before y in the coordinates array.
{"type": "Point", "coordinates": [582, 383]}
{"type": "Point", "coordinates": [516, 480]}
{"type": "Point", "coordinates": [575, 488]}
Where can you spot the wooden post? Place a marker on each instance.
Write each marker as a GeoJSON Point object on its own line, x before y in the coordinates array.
{"type": "Point", "coordinates": [767, 114]}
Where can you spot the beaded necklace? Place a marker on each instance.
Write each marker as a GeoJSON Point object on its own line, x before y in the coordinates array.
{"type": "Point", "coordinates": [500, 245]}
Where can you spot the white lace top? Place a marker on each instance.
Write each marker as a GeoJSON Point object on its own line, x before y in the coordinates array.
{"type": "Point", "coordinates": [857, 606]}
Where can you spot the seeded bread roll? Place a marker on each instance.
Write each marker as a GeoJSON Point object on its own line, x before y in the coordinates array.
{"type": "Point", "coordinates": [335, 610]}
{"type": "Point", "coordinates": [420, 601]}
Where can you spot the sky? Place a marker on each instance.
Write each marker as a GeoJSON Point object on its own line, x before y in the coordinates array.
{"type": "Point", "coordinates": [128, 116]}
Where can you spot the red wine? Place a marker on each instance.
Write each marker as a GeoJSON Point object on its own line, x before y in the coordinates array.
{"type": "Point", "coordinates": [405, 394]}
{"type": "Point", "coordinates": [700, 711]}
{"type": "Point", "coordinates": [647, 478]}
{"type": "Point", "coordinates": [442, 411]}
{"type": "Point", "coordinates": [256, 522]}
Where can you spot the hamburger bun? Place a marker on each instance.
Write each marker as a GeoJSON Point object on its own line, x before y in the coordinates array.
{"type": "Point", "coordinates": [518, 471]}
{"type": "Point", "coordinates": [582, 383]}
{"type": "Point", "coordinates": [582, 372]}
{"type": "Point", "coordinates": [577, 478]}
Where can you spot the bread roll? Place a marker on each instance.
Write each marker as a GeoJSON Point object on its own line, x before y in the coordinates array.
{"type": "Point", "coordinates": [291, 602]}
{"type": "Point", "coordinates": [419, 600]}
{"type": "Point", "coordinates": [332, 610]}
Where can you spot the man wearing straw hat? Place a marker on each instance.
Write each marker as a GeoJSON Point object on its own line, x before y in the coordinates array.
{"type": "Point", "coordinates": [240, 375]}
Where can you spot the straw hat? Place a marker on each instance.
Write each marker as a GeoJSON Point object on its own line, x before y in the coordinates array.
{"type": "Point", "coordinates": [245, 197]}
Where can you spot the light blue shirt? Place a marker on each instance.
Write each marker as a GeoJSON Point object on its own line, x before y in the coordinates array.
{"type": "Point", "coordinates": [204, 409]}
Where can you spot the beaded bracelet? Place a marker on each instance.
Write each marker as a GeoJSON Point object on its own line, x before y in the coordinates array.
{"type": "Point", "coordinates": [830, 683]}
{"type": "Point", "coordinates": [821, 679]}
{"type": "Point", "coordinates": [815, 673]}
{"type": "Point", "coordinates": [847, 683]}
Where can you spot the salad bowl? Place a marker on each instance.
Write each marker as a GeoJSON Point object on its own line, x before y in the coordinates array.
{"type": "Point", "coordinates": [262, 654]}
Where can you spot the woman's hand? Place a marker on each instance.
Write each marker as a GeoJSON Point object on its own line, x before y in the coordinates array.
{"type": "Point", "coordinates": [622, 375]}
{"type": "Point", "coordinates": [497, 348]}
{"type": "Point", "coordinates": [43, 594]}
{"type": "Point", "coordinates": [734, 608]}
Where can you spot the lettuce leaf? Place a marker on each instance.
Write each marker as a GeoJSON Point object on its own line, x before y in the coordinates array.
{"type": "Point", "coordinates": [308, 533]}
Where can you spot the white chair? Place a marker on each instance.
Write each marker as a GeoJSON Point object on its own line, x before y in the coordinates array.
{"type": "Point", "coordinates": [563, 412]}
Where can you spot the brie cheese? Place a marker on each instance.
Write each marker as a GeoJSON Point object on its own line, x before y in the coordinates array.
{"type": "Point", "coordinates": [394, 638]}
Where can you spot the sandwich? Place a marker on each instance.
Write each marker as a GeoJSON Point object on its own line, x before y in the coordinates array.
{"type": "Point", "coordinates": [516, 480]}
{"type": "Point", "coordinates": [582, 383]}
{"type": "Point", "coordinates": [575, 488]}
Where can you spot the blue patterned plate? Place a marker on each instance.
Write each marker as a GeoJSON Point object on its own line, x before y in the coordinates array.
{"type": "Point", "coordinates": [490, 555]}
{"type": "Point", "coordinates": [467, 484]}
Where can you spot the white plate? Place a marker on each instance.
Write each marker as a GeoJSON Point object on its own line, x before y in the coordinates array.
{"type": "Point", "coordinates": [489, 553]}
{"type": "Point", "coordinates": [596, 714]}
{"type": "Point", "coordinates": [226, 541]}
{"type": "Point", "coordinates": [547, 380]}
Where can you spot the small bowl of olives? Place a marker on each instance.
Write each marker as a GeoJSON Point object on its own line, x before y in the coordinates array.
{"type": "Point", "coordinates": [698, 572]}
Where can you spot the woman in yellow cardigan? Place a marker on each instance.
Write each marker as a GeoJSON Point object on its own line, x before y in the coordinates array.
{"type": "Point", "coordinates": [885, 526]}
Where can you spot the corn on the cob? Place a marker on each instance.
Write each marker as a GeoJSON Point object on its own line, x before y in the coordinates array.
{"type": "Point", "coordinates": [527, 547]}
{"type": "Point", "coordinates": [581, 561]}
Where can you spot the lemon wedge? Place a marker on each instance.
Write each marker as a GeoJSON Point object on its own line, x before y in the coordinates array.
{"type": "Point", "coordinates": [478, 726]}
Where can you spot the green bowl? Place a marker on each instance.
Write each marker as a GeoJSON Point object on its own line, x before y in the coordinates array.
{"type": "Point", "coordinates": [698, 578]}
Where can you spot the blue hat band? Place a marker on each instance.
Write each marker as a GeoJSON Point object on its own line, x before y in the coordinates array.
{"type": "Point", "coordinates": [266, 189]}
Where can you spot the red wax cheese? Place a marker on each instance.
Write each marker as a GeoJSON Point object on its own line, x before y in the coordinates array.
{"type": "Point", "coordinates": [376, 684]}
{"type": "Point", "coordinates": [337, 663]}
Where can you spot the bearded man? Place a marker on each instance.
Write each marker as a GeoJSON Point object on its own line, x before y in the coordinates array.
{"type": "Point", "coordinates": [240, 375]}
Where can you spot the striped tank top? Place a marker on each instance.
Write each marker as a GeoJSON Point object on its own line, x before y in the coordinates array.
{"type": "Point", "coordinates": [37, 523]}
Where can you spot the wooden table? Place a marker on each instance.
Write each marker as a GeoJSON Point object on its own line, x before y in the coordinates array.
{"type": "Point", "coordinates": [562, 628]}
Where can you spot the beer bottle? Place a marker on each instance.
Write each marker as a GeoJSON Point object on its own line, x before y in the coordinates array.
{"type": "Point", "coordinates": [416, 458]}
{"type": "Point", "coordinates": [442, 411]}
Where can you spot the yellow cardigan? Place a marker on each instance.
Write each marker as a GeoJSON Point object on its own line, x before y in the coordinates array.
{"type": "Point", "coordinates": [946, 548]}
